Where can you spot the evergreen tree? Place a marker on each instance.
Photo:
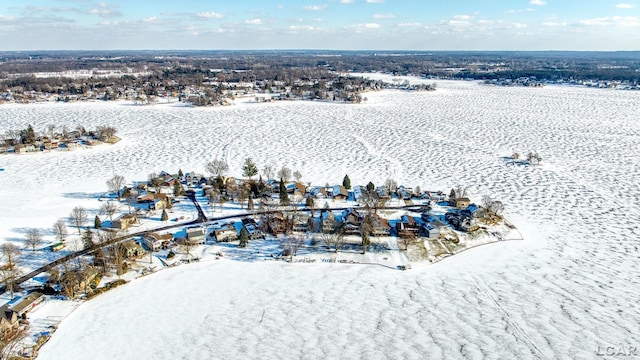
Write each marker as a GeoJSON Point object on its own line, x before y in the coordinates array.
{"type": "Point", "coordinates": [249, 169]}
{"type": "Point", "coordinates": [180, 174]}
{"type": "Point", "coordinates": [164, 216]}
{"type": "Point", "coordinates": [177, 188]}
{"type": "Point", "coordinates": [284, 198]}
{"type": "Point", "coordinates": [346, 182]}
{"type": "Point", "coordinates": [370, 186]}
{"type": "Point", "coordinates": [244, 238]}
{"type": "Point", "coordinates": [97, 223]}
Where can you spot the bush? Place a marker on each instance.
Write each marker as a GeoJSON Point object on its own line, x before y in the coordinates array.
{"type": "Point", "coordinates": [171, 254]}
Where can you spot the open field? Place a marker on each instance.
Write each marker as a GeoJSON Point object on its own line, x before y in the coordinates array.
{"type": "Point", "coordinates": [570, 287]}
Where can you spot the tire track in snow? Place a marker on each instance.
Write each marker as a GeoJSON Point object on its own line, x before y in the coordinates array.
{"type": "Point", "coordinates": [396, 168]}
{"type": "Point", "coordinates": [519, 332]}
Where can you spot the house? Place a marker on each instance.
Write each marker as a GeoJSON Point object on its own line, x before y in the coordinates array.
{"type": "Point", "coordinates": [432, 230]}
{"type": "Point", "coordinates": [461, 203]}
{"type": "Point", "coordinates": [459, 221]}
{"type": "Point", "coordinates": [252, 228]}
{"type": "Point", "coordinates": [407, 227]}
{"type": "Point", "coordinates": [155, 241]}
{"type": "Point", "coordinates": [340, 193]}
{"type": "Point", "coordinates": [123, 222]}
{"type": "Point", "coordinates": [195, 235]}
{"type": "Point", "coordinates": [23, 149]}
{"type": "Point", "coordinates": [277, 223]}
{"type": "Point", "coordinates": [192, 178]}
{"type": "Point", "coordinates": [131, 249]}
{"type": "Point", "coordinates": [352, 221]}
{"type": "Point", "coordinates": [225, 233]}
{"type": "Point", "coordinates": [296, 188]}
{"type": "Point", "coordinates": [380, 226]}
{"type": "Point", "coordinates": [328, 221]}
{"type": "Point", "coordinates": [300, 223]}
{"type": "Point", "coordinates": [27, 303]}
{"type": "Point", "coordinates": [9, 320]}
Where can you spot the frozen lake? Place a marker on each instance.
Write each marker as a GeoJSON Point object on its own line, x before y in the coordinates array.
{"type": "Point", "coordinates": [570, 288]}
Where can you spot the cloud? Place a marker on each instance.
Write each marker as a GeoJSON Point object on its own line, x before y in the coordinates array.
{"type": "Point", "coordinates": [413, 24]}
{"type": "Point", "coordinates": [375, 1]}
{"type": "Point", "coordinates": [624, 21]}
{"type": "Point", "coordinates": [315, 7]}
{"type": "Point", "coordinates": [554, 23]}
{"type": "Point", "coordinates": [384, 16]}
{"type": "Point", "coordinates": [103, 11]}
{"type": "Point", "coordinates": [254, 22]}
{"type": "Point", "coordinates": [462, 17]}
{"type": "Point", "coordinates": [362, 27]}
{"type": "Point", "coordinates": [210, 15]}
{"type": "Point", "coordinates": [538, 2]}
{"type": "Point", "coordinates": [301, 28]}
{"type": "Point", "coordinates": [625, 6]}
{"type": "Point", "coordinates": [346, 1]}
{"type": "Point", "coordinates": [517, 11]}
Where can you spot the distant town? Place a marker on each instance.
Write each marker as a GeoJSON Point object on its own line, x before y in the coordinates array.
{"type": "Point", "coordinates": [210, 78]}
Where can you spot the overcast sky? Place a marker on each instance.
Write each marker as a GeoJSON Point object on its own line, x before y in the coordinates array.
{"type": "Point", "coordinates": [321, 24]}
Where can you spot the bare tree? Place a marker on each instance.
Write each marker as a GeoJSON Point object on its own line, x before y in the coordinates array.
{"type": "Point", "coordinates": [217, 167]}
{"type": "Point", "coordinates": [33, 238]}
{"type": "Point", "coordinates": [9, 342]}
{"type": "Point", "coordinates": [155, 181]}
{"type": "Point", "coordinates": [268, 170]}
{"type": "Point", "coordinates": [60, 229]}
{"type": "Point", "coordinates": [366, 228]}
{"type": "Point", "coordinates": [115, 184]}
{"type": "Point", "coordinates": [390, 186]}
{"type": "Point", "coordinates": [108, 208]}
{"type": "Point", "coordinates": [297, 175]}
{"type": "Point", "coordinates": [9, 270]}
{"type": "Point", "coordinates": [291, 244]}
{"type": "Point", "coordinates": [333, 235]}
{"type": "Point", "coordinates": [78, 217]}
{"type": "Point", "coordinates": [285, 173]}
{"type": "Point", "coordinates": [408, 239]}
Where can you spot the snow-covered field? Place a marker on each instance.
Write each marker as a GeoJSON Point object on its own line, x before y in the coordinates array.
{"type": "Point", "coordinates": [568, 291]}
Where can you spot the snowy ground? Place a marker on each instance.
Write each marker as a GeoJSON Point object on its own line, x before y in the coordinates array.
{"type": "Point", "coordinates": [569, 288]}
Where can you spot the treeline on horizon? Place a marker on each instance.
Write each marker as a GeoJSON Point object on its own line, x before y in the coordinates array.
{"type": "Point", "coordinates": [191, 68]}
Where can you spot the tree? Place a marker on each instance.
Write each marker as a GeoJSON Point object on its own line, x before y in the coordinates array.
{"type": "Point", "coordinates": [108, 208]}
{"type": "Point", "coordinates": [284, 197]}
{"type": "Point", "coordinates": [115, 184]}
{"type": "Point", "coordinates": [180, 174]}
{"type": "Point", "coordinates": [217, 167]}
{"type": "Point", "coordinates": [155, 181]}
{"type": "Point", "coordinates": [97, 223]}
{"type": "Point", "coordinates": [9, 270]}
{"type": "Point", "coordinates": [534, 158]}
{"type": "Point", "coordinates": [267, 170]}
{"type": "Point", "coordinates": [249, 169]}
{"type": "Point", "coordinates": [78, 217]}
{"type": "Point", "coordinates": [408, 239]}
{"type": "Point", "coordinates": [370, 186]}
{"type": "Point", "coordinates": [10, 341]}
{"type": "Point", "coordinates": [164, 216]}
{"type": "Point", "coordinates": [310, 204]}
{"type": "Point", "coordinates": [244, 238]}
{"type": "Point", "coordinates": [177, 189]}
{"type": "Point", "coordinates": [87, 239]}
{"type": "Point", "coordinates": [284, 173]}
{"type": "Point", "coordinates": [297, 175]}
{"type": "Point", "coordinates": [33, 238]}
{"type": "Point", "coordinates": [366, 228]}
{"type": "Point", "coordinates": [60, 229]}
{"type": "Point", "coordinates": [390, 186]}
{"type": "Point", "coordinates": [346, 182]}
{"type": "Point", "coordinates": [28, 136]}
